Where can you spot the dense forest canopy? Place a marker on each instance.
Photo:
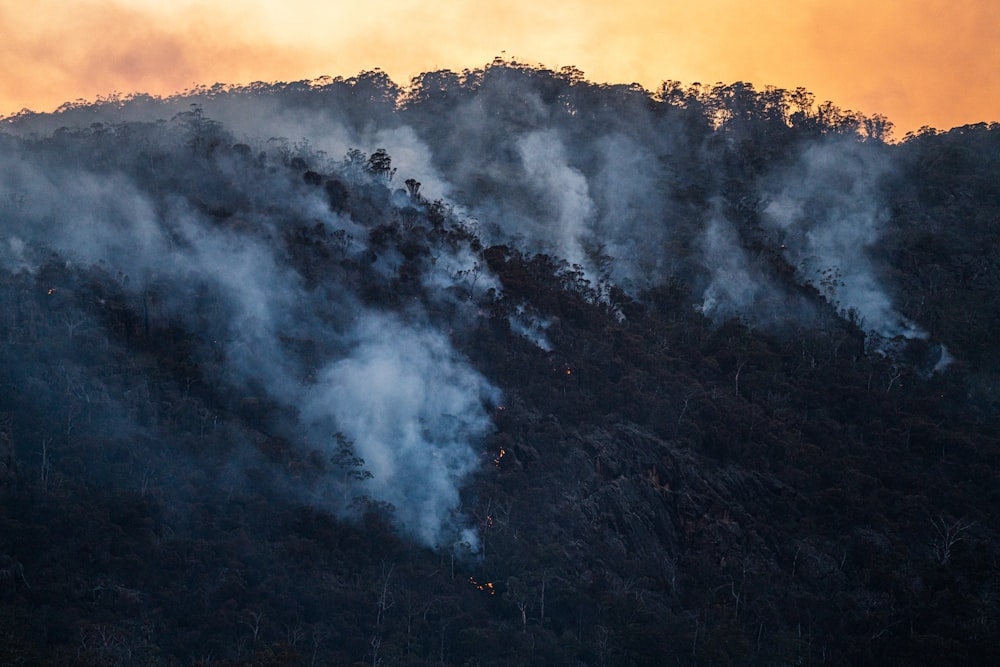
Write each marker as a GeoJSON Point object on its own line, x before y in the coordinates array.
{"type": "Point", "coordinates": [502, 367]}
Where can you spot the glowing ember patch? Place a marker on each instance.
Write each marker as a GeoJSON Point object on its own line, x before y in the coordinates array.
{"type": "Point", "coordinates": [485, 587]}
{"type": "Point", "coordinates": [499, 457]}
{"type": "Point", "coordinates": [52, 291]}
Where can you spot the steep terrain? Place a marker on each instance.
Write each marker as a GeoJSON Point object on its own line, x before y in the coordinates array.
{"type": "Point", "coordinates": [504, 368]}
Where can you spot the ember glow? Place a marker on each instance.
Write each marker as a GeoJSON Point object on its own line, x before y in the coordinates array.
{"type": "Point", "coordinates": [486, 587]}
{"type": "Point", "coordinates": [929, 63]}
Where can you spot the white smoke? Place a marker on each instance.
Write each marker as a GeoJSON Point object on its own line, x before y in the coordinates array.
{"type": "Point", "coordinates": [565, 191]}
{"type": "Point", "coordinates": [412, 409]}
{"type": "Point", "coordinates": [827, 212]}
{"type": "Point", "coordinates": [530, 326]}
{"type": "Point", "coordinates": [733, 290]}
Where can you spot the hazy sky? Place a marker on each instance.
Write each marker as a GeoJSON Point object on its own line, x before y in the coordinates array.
{"type": "Point", "coordinates": [920, 62]}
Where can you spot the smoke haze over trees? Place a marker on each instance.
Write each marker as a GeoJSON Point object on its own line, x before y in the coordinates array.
{"type": "Point", "coordinates": [503, 366]}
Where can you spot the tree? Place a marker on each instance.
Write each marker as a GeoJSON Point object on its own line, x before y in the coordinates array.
{"type": "Point", "coordinates": [947, 533]}
{"type": "Point", "coordinates": [350, 464]}
{"type": "Point", "coordinates": [413, 188]}
{"type": "Point", "coordinates": [380, 164]}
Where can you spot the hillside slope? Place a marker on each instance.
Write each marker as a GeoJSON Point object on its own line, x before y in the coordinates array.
{"type": "Point", "coordinates": [545, 372]}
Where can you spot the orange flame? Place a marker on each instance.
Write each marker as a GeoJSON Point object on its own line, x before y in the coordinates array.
{"type": "Point", "coordinates": [486, 587]}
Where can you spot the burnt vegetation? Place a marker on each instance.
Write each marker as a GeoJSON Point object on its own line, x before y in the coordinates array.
{"type": "Point", "coordinates": [650, 482]}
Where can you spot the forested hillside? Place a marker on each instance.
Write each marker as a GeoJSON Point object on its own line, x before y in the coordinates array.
{"type": "Point", "coordinates": [504, 367]}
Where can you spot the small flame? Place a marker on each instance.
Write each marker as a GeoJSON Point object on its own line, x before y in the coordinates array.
{"type": "Point", "coordinates": [499, 457]}
{"type": "Point", "coordinates": [486, 587]}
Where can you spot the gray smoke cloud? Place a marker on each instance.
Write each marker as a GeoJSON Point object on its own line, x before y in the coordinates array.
{"type": "Point", "coordinates": [561, 174]}
{"type": "Point", "coordinates": [733, 289]}
{"type": "Point", "coordinates": [529, 326]}
{"type": "Point", "coordinates": [566, 176]}
{"type": "Point", "coordinates": [602, 181]}
{"type": "Point", "coordinates": [414, 409]}
{"type": "Point", "coordinates": [827, 212]}
{"type": "Point", "coordinates": [632, 210]}
{"type": "Point", "coordinates": [411, 406]}
{"type": "Point", "coordinates": [562, 191]}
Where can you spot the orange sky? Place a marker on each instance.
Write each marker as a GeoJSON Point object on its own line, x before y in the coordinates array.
{"type": "Point", "coordinates": [920, 62]}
